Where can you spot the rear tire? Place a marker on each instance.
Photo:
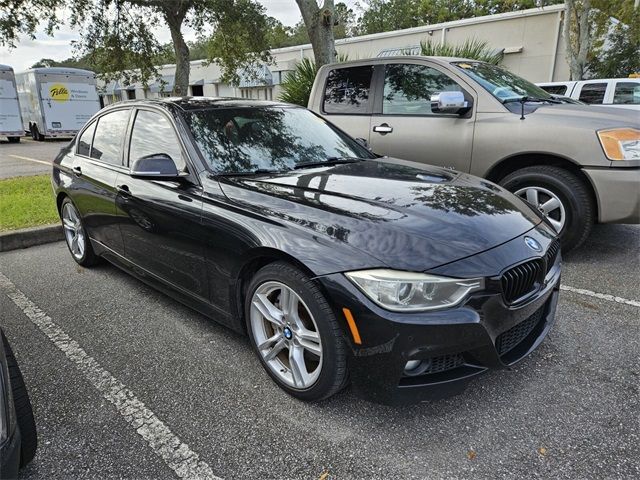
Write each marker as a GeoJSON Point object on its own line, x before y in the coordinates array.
{"type": "Point", "coordinates": [76, 236]}
{"type": "Point", "coordinates": [330, 373]}
{"type": "Point", "coordinates": [24, 412]}
{"type": "Point", "coordinates": [14, 139]}
{"type": "Point", "coordinates": [577, 205]}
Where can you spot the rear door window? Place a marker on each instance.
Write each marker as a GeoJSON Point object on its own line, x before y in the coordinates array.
{"type": "Point", "coordinates": [108, 137]}
{"type": "Point", "coordinates": [84, 143]}
{"type": "Point", "coordinates": [593, 93]}
{"type": "Point", "coordinates": [627, 93]}
{"type": "Point", "coordinates": [408, 88]}
{"type": "Point", "coordinates": [348, 90]}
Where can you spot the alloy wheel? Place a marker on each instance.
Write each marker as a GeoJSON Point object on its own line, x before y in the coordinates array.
{"type": "Point", "coordinates": [547, 202]}
{"type": "Point", "coordinates": [73, 231]}
{"type": "Point", "coordinates": [286, 335]}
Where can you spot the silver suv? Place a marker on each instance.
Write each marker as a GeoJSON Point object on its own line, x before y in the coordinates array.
{"type": "Point", "coordinates": [577, 164]}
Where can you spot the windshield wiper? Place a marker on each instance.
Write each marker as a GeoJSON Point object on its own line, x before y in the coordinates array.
{"type": "Point", "coordinates": [527, 98]}
{"type": "Point", "coordinates": [248, 173]}
{"type": "Point", "coordinates": [328, 161]}
{"type": "Point", "coordinates": [524, 99]}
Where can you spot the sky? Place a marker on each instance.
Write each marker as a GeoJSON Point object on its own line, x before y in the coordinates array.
{"type": "Point", "coordinates": [58, 47]}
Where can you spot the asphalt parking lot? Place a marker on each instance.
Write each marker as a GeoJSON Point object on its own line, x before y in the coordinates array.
{"type": "Point", "coordinates": [128, 383]}
{"type": "Point", "coordinates": [28, 157]}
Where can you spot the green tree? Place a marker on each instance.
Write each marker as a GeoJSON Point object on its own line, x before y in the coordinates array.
{"type": "Point", "coordinates": [118, 34]}
{"type": "Point", "coordinates": [297, 85]}
{"type": "Point", "coordinates": [320, 20]}
{"type": "Point", "coordinates": [616, 48]}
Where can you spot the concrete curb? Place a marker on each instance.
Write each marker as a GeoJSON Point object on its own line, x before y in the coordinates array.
{"type": "Point", "coordinates": [28, 237]}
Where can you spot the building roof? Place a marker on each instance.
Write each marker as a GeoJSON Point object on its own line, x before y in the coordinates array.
{"type": "Point", "coordinates": [61, 71]}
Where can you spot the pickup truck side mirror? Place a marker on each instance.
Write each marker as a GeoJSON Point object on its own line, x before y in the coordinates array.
{"type": "Point", "coordinates": [449, 102]}
{"type": "Point", "coordinates": [363, 142]}
{"type": "Point", "coordinates": [157, 166]}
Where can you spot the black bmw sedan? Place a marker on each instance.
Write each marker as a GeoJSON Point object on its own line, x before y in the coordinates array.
{"type": "Point", "coordinates": [406, 281]}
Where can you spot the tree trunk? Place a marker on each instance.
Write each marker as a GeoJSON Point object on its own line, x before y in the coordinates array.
{"type": "Point", "coordinates": [577, 36]}
{"type": "Point", "coordinates": [174, 20]}
{"type": "Point", "coordinates": [319, 22]}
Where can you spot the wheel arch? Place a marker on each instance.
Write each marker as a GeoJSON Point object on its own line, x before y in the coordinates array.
{"type": "Point", "coordinates": [513, 163]}
{"type": "Point", "coordinates": [59, 199]}
{"type": "Point", "coordinates": [257, 259]}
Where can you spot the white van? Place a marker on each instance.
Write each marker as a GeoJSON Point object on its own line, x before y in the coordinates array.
{"type": "Point", "coordinates": [56, 102]}
{"type": "Point", "coordinates": [612, 92]}
{"type": "Point", "coordinates": [10, 121]}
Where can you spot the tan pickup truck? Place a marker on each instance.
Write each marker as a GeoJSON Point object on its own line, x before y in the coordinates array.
{"type": "Point", "coordinates": [577, 164]}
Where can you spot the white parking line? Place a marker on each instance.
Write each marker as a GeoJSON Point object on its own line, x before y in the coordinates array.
{"type": "Point", "coordinates": [164, 443]}
{"type": "Point", "coordinates": [601, 296]}
{"type": "Point", "coordinates": [29, 159]}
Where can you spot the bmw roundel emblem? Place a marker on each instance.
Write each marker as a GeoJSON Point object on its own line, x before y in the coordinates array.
{"type": "Point", "coordinates": [533, 244]}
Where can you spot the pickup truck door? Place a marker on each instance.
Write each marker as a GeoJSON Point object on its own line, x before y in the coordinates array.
{"type": "Point", "coordinates": [404, 126]}
{"type": "Point", "coordinates": [347, 99]}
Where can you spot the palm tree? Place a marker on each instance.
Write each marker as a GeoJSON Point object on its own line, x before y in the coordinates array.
{"type": "Point", "coordinates": [472, 49]}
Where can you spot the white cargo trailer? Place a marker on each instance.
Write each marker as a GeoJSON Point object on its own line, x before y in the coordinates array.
{"type": "Point", "coordinates": [10, 121]}
{"type": "Point", "coordinates": [57, 101]}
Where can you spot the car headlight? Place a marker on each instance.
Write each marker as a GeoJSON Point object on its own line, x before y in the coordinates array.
{"type": "Point", "coordinates": [620, 143]}
{"type": "Point", "coordinates": [412, 291]}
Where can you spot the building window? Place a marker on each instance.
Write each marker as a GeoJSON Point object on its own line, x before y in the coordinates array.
{"type": "Point", "coordinates": [131, 94]}
{"type": "Point", "coordinates": [197, 90]}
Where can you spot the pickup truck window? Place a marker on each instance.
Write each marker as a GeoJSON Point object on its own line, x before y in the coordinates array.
{"type": "Point", "coordinates": [408, 88]}
{"type": "Point", "coordinates": [627, 93]}
{"type": "Point", "coordinates": [555, 89]}
{"type": "Point", "coordinates": [347, 90]}
{"type": "Point", "coordinates": [593, 93]}
{"type": "Point", "coordinates": [501, 83]}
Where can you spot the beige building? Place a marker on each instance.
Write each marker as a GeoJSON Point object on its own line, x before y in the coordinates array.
{"type": "Point", "coordinates": [530, 39]}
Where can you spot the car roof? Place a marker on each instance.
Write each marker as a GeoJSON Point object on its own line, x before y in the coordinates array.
{"type": "Point", "coordinates": [380, 60]}
{"type": "Point", "coordinates": [202, 103]}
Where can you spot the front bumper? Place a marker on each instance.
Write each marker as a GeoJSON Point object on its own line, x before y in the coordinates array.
{"type": "Point", "coordinates": [618, 193]}
{"type": "Point", "coordinates": [458, 343]}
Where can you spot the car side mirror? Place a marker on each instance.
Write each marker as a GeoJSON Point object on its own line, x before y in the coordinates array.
{"type": "Point", "coordinates": [449, 102]}
{"type": "Point", "coordinates": [158, 166]}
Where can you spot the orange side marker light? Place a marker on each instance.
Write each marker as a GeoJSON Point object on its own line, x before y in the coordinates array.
{"type": "Point", "coordinates": [352, 326]}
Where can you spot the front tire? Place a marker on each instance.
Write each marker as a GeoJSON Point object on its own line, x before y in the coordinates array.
{"type": "Point", "coordinates": [295, 333]}
{"type": "Point", "coordinates": [561, 197]}
{"type": "Point", "coordinates": [76, 235]}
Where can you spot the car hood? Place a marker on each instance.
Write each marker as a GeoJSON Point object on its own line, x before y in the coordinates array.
{"type": "Point", "coordinates": [406, 215]}
{"type": "Point", "coordinates": [590, 117]}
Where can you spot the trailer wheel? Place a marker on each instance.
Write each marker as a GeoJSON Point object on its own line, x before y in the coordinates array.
{"type": "Point", "coordinates": [35, 133]}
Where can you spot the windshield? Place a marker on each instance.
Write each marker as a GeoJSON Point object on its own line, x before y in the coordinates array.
{"type": "Point", "coordinates": [501, 83]}
{"type": "Point", "coordinates": [246, 139]}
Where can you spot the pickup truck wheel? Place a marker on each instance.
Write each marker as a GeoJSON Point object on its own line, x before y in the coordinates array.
{"type": "Point", "coordinates": [560, 196]}
{"type": "Point", "coordinates": [22, 404]}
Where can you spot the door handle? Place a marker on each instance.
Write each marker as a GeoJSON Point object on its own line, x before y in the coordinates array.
{"type": "Point", "coordinates": [123, 190]}
{"type": "Point", "coordinates": [383, 129]}
{"type": "Point", "coordinates": [77, 171]}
